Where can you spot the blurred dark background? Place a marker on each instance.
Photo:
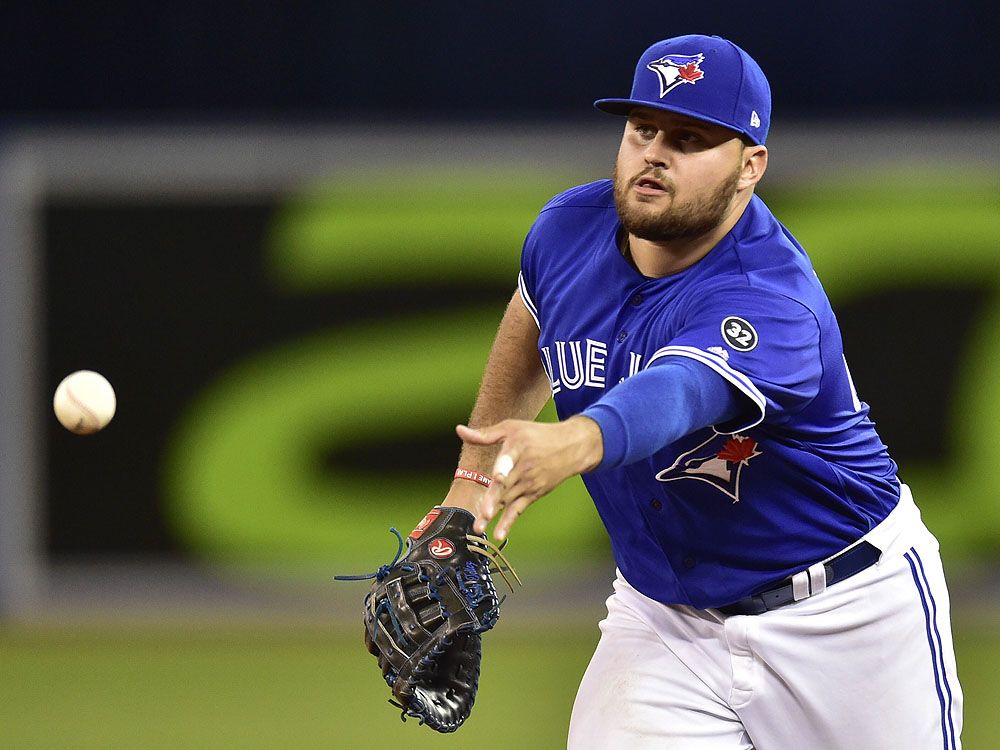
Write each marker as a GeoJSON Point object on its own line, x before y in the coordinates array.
{"type": "Point", "coordinates": [448, 59]}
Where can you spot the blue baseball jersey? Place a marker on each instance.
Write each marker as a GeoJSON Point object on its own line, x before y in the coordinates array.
{"type": "Point", "coordinates": [726, 510]}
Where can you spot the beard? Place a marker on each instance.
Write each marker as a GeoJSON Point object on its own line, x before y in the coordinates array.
{"type": "Point", "coordinates": [676, 221]}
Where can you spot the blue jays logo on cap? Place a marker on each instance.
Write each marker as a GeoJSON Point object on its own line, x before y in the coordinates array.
{"type": "Point", "coordinates": [673, 70]}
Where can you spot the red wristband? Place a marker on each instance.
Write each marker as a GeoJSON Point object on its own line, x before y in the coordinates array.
{"type": "Point", "coordinates": [473, 476]}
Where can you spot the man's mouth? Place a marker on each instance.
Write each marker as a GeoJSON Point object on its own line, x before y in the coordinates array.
{"type": "Point", "coordinates": [647, 185]}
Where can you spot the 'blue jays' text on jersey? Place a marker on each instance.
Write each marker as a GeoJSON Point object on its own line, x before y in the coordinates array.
{"type": "Point", "coordinates": [722, 512]}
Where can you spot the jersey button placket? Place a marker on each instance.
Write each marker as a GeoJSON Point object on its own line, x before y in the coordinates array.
{"type": "Point", "coordinates": [623, 322]}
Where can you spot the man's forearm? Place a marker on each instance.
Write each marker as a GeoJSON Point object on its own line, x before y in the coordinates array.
{"type": "Point", "coordinates": [514, 386]}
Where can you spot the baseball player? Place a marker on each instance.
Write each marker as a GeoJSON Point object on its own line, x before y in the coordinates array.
{"type": "Point", "coordinates": [776, 587]}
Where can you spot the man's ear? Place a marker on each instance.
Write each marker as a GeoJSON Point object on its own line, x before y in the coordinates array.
{"type": "Point", "coordinates": [754, 166]}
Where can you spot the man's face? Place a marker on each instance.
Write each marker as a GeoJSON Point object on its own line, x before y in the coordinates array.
{"type": "Point", "coordinates": [675, 177]}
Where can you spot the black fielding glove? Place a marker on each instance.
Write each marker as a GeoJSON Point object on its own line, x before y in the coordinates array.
{"type": "Point", "coordinates": [425, 615]}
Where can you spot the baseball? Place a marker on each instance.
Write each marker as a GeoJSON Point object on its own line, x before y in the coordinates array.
{"type": "Point", "coordinates": [84, 402]}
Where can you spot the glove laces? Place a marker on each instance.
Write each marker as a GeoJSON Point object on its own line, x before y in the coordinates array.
{"type": "Point", "coordinates": [383, 570]}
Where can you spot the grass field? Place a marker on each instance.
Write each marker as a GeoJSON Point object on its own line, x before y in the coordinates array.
{"type": "Point", "coordinates": [280, 687]}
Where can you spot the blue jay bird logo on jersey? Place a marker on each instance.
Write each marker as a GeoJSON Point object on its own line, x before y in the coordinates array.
{"type": "Point", "coordinates": [720, 461]}
{"type": "Point", "coordinates": [673, 70]}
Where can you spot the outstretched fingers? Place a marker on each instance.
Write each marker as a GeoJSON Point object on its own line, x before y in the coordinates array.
{"type": "Point", "coordinates": [499, 495]}
{"type": "Point", "coordinates": [510, 514]}
{"type": "Point", "coordinates": [510, 496]}
{"type": "Point", "coordinates": [494, 500]}
{"type": "Point", "coordinates": [532, 458]}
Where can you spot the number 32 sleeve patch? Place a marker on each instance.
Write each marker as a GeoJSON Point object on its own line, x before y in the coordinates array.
{"type": "Point", "coordinates": [773, 340]}
{"type": "Point", "coordinates": [739, 334]}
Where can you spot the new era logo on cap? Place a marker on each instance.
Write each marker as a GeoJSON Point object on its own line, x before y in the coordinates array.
{"type": "Point", "coordinates": [754, 119]}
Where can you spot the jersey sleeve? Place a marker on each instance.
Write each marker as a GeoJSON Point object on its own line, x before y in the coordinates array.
{"type": "Point", "coordinates": [527, 277]}
{"type": "Point", "coordinates": [764, 344]}
{"type": "Point", "coordinates": [657, 406]}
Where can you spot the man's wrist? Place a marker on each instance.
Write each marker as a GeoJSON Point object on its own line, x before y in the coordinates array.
{"type": "Point", "coordinates": [590, 441]}
{"type": "Point", "coordinates": [464, 494]}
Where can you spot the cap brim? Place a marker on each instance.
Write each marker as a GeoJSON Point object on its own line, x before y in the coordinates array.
{"type": "Point", "coordinates": [624, 106]}
{"type": "Point", "coordinates": [618, 106]}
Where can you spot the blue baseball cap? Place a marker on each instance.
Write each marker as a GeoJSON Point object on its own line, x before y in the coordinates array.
{"type": "Point", "coordinates": [705, 77]}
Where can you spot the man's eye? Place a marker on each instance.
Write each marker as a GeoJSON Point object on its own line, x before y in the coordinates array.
{"type": "Point", "coordinates": [646, 131]}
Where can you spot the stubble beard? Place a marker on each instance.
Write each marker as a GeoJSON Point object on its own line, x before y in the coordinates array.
{"type": "Point", "coordinates": [675, 221]}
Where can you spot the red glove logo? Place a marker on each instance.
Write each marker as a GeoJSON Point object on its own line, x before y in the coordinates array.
{"type": "Point", "coordinates": [427, 521]}
{"type": "Point", "coordinates": [441, 548]}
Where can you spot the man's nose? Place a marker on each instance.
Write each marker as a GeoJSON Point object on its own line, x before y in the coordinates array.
{"type": "Point", "coordinates": [656, 153]}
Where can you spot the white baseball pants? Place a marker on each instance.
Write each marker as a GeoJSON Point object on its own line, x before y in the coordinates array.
{"type": "Point", "coordinates": [868, 664]}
